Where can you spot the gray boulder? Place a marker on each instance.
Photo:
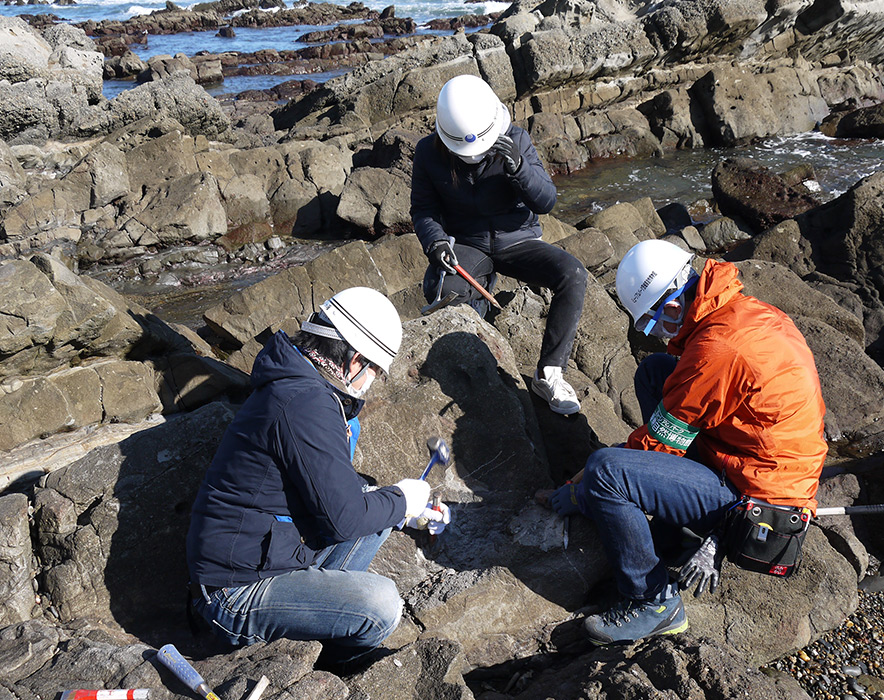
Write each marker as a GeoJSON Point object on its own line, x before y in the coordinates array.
{"type": "Point", "coordinates": [839, 239]}
{"type": "Point", "coordinates": [738, 105]}
{"type": "Point", "coordinates": [126, 66]}
{"type": "Point", "coordinates": [90, 517]}
{"type": "Point", "coordinates": [687, 666]}
{"type": "Point", "coordinates": [152, 161]}
{"type": "Point", "coordinates": [109, 390]}
{"type": "Point", "coordinates": [863, 123]}
{"type": "Point", "coordinates": [51, 212]}
{"type": "Point", "coordinates": [763, 619]}
{"type": "Point", "coordinates": [185, 209]}
{"type": "Point", "coordinates": [50, 83]}
{"type": "Point", "coordinates": [176, 96]}
{"type": "Point", "coordinates": [56, 319]}
{"type": "Point", "coordinates": [722, 233]}
{"type": "Point", "coordinates": [16, 558]}
{"type": "Point", "coordinates": [12, 178]}
{"type": "Point", "coordinates": [401, 261]}
{"type": "Point", "coordinates": [403, 83]}
{"type": "Point", "coordinates": [751, 192]}
{"type": "Point", "coordinates": [24, 54]}
{"type": "Point", "coordinates": [778, 285]}
{"type": "Point", "coordinates": [26, 113]}
{"type": "Point", "coordinates": [376, 200]}
{"type": "Point", "coordinates": [55, 316]}
{"type": "Point", "coordinates": [37, 658]}
{"type": "Point", "coordinates": [64, 34]}
{"type": "Point", "coordinates": [434, 663]}
{"type": "Point", "coordinates": [291, 294]}
{"type": "Point", "coordinates": [852, 382]}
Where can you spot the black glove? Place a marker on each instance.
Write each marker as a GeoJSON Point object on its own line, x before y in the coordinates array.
{"type": "Point", "coordinates": [704, 568]}
{"type": "Point", "coordinates": [506, 148]}
{"type": "Point", "coordinates": [441, 254]}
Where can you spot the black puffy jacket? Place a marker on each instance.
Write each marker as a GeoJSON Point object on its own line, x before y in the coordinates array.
{"type": "Point", "coordinates": [281, 485]}
{"type": "Point", "coordinates": [480, 205]}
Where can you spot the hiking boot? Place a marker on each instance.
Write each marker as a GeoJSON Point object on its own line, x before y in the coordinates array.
{"type": "Point", "coordinates": [631, 620]}
{"type": "Point", "coordinates": [556, 391]}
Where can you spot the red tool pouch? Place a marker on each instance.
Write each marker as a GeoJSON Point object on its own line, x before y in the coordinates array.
{"type": "Point", "coordinates": [766, 538]}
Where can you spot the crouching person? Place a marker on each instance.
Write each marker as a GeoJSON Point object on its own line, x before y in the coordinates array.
{"type": "Point", "coordinates": [733, 411]}
{"type": "Point", "coordinates": [283, 528]}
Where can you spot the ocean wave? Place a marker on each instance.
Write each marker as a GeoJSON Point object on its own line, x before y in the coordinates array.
{"type": "Point", "coordinates": [138, 10]}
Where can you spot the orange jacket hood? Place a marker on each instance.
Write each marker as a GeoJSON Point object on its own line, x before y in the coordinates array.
{"type": "Point", "coordinates": [718, 284]}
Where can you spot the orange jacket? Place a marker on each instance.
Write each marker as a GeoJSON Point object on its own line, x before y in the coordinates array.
{"type": "Point", "coordinates": [746, 389]}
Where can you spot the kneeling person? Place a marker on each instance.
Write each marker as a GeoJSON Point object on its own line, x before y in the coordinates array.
{"type": "Point", "coordinates": [283, 528]}
{"type": "Point", "coordinates": [734, 409]}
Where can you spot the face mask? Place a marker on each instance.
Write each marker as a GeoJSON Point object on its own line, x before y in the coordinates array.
{"type": "Point", "coordinates": [653, 323]}
{"type": "Point", "coordinates": [352, 390]}
{"type": "Point", "coordinates": [659, 330]}
{"type": "Point", "coordinates": [473, 160]}
{"type": "Point", "coordinates": [359, 393]}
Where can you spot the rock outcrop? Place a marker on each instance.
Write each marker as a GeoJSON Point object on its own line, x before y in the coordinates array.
{"type": "Point", "coordinates": [109, 416]}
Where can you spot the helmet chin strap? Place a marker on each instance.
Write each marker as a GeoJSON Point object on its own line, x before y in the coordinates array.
{"type": "Point", "coordinates": [348, 383]}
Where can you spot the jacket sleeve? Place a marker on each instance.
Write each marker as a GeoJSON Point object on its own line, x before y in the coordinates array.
{"type": "Point", "coordinates": [531, 179]}
{"type": "Point", "coordinates": [315, 451]}
{"type": "Point", "coordinates": [426, 206]}
{"type": "Point", "coordinates": [707, 385]}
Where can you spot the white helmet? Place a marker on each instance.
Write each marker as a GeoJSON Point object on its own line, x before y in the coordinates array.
{"type": "Point", "coordinates": [647, 272]}
{"type": "Point", "coordinates": [469, 117]}
{"type": "Point", "coordinates": [366, 320]}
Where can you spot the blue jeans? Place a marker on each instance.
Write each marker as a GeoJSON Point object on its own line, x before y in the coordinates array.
{"type": "Point", "coordinates": [335, 601]}
{"type": "Point", "coordinates": [620, 486]}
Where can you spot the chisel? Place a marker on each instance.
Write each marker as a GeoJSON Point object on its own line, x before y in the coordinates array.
{"type": "Point", "coordinates": [187, 674]}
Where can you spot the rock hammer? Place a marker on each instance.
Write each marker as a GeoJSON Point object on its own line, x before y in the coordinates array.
{"type": "Point", "coordinates": [439, 452]}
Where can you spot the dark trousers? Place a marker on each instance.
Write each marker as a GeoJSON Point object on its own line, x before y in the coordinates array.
{"type": "Point", "coordinates": [533, 262]}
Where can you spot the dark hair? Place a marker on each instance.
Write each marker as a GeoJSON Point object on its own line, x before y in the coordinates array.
{"type": "Point", "coordinates": [337, 351]}
{"type": "Point", "coordinates": [450, 157]}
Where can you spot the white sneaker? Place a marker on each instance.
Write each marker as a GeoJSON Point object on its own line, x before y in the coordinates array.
{"type": "Point", "coordinates": [556, 391]}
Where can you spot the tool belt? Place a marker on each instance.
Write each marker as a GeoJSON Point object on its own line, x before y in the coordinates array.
{"type": "Point", "coordinates": [766, 538]}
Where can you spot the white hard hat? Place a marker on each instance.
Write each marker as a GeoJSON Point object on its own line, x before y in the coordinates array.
{"type": "Point", "coordinates": [647, 272]}
{"type": "Point", "coordinates": [469, 117]}
{"type": "Point", "coordinates": [366, 320]}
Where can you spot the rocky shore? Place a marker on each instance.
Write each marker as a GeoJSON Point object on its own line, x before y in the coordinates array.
{"type": "Point", "coordinates": [109, 414]}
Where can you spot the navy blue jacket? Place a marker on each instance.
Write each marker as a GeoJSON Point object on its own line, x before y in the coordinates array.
{"type": "Point", "coordinates": [480, 205]}
{"type": "Point", "coordinates": [282, 486]}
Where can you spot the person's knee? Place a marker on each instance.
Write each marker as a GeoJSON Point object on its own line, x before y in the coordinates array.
{"type": "Point", "coordinates": [574, 278]}
{"type": "Point", "coordinates": [602, 472]}
{"type": "Point", "coordinates": [382, 608]}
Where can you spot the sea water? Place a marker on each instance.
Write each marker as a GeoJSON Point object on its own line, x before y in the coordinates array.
{"type": "Point", "coordinates": [247, 39]}
{"type": "Point", "coordinates": [420, 12]}
{"type": "Point", "coordinates": [686, 176]}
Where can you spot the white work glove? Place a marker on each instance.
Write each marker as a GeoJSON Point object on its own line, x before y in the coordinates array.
{"type": "Point", "coordinates": [417, 493]}
{"type": "Point", "coordinates": [704, 568]}
{"type": "Point", "coordinates": [432, 520]}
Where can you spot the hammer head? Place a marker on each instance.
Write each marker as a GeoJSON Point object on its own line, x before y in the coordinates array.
{"type": "Point", "coordinates": [439, 449]}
